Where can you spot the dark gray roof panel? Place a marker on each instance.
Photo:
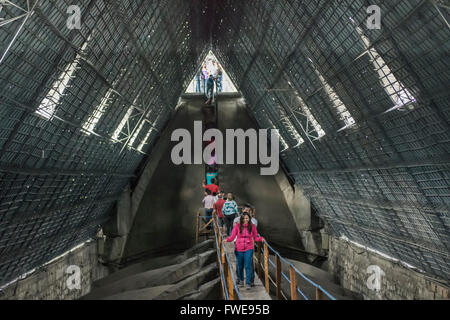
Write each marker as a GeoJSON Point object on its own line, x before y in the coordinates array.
{"type": "Point", "coordinates": [382, 182]}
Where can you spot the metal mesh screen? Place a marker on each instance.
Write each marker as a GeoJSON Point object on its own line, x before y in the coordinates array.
{"type": "Point", "coordinates": [363, 114]}
{"type": "Point", "coordinates": [377, 166]}
{"type": "Point", "coordinates": [104, 92]}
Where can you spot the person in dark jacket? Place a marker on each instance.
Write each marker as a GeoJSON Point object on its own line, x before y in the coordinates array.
{"type": "Point", "coordinates": [210, 89]}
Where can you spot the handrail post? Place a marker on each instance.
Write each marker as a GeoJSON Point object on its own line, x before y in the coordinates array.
{"type": "Point", "coordinates": [258, 257]}
{"type": "Point", "coordinates": [266, 267]}
{"type": "Point", "coordinates": [319, 294]}
{"type": "Point", "coordinates": [278, 278]}
{"type": "Point", "coordinates": [224, 262]}
{"type": "Point", "coordinates": [218, 237]}
{"type": "Point", "coordinates": [197, 226]}
{"type": "Point", "coordinates": [293, 279]}
{"type": "Point", "coordinates": [230, 286]}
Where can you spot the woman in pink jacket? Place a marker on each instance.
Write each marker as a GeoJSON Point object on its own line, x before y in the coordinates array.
{"type": "Point", "coordinates": [246, 232]}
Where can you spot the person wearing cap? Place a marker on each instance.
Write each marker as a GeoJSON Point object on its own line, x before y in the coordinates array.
{"type": "Point", "coordinates": [248, 208]}
{"type": "Point", "coordinates": [218, 205]}
{"type": "Point", "coordinates": [229, 210]}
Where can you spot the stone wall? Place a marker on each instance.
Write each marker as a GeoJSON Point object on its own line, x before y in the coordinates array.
{"type": "Point", "coordinates": [356, 269]}
{"type": "Point", "coordinates": [50, 281]}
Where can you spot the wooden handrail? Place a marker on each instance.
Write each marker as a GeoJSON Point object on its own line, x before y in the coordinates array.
{"type": "Point", "coordinates": [262, 268]}
{"type": "Point", "coordinates": [293, 279]}
{"type": "Point", "coordinates": [201, 230]}
{"type": "Point", "coordinates": [258, 257]}
{"type": "Point", "coordinates": [197, 226]}
{"type": "Point", "coordinates": [278, 278]}
{"type": "Point", "coordinates": [319, 294]}
{"type": "Point", "coordinates": [266, 267]}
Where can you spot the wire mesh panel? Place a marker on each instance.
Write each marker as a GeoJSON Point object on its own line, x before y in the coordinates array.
{"type": "Point", "coordinates": [80, 110]}
{"type": "Point", "coordinates": [378, 171]}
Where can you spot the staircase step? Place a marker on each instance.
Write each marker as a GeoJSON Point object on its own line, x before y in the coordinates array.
{"type": "Point", "coordinates": [154, 263]}
{"type": "Point", "coordinates": [192, 283]}
{"type": "Point", "coordinates": [209, 291]}
{"type": "Point", "coordinates": [156, 277]}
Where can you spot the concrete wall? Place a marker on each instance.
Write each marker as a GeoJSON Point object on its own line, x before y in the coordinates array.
{"type": "Point", "coordinates": [349, 263]}
{"type": "Point", "coordinates": [275, 220]}
{"type": "Point", "coordinates": [308, 224]}
{"type": "Point", "coordinates": [49, 283]}
{"type": "Point", "coordinates": [118, 228]}
{"type": "Point", "coordinates": [163, 215]}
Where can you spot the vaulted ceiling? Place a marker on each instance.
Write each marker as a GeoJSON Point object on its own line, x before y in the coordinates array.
{"type": "Point", "coordinates": [363, 113]}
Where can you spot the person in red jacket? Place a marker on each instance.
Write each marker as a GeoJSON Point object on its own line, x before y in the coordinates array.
{"type": "Point", "coordinates": [218, 210]}
{"type": "Point", "coordinates": [245, 232]}
{"type": "Point", "coordinates": [212, 187]}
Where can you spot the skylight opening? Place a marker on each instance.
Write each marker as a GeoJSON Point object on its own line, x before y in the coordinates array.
{"type": "Point", "coordinates": [94, 118]}
{"type": "Point", "coordinates": [339, 106]}
{"type": "Point", "coordinates": [136, 133]}
{"type": "Point", "coordinates": [89, 126]}
{"type": "Point", "coordinates": [148, 135]}
{"type": "Point", "coordinates": [210, 65]}
{"type": "Point", "coordinates": [292, 131]}
{"type": "Point", "coordinates": [48, 105]}
{"type": "Point", "coordinates": [144, 141]}
{"type": "Point", "coordinates": [124, 121]}
{"type": "Point", "coordinates": [307, 113]}
{"type": "Point", "coordinates": [284, 144]}
{"type": "Point", "coordinates": [315, 124]}
{"type": "Point", "coordinates": [398, 93]}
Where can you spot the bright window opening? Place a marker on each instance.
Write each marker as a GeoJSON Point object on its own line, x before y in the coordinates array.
{"type": "Point", "coordinates": [284, 144]}
{"type": "Point", "coordinates": [339, 106]}
{"type": "Point", "coordinates": [136, 133]}
{"type": "Point", "coordinates": [399, 95]}
{"type": "Point", "coordinates": [211, 65]}
{"type": "Point", "coordinates": [304, 111]}
{"type": "Point", "coordinates": [148, 135]}
{"type": "Point", "coordinates": [144, 141]}
{"type": "Point", "coordinates": [94, 118]}
{"type": "Point", "coordinates": [287, 124]}
{"type": "Point", "coordinates": [116, 134]}
{"type": "Point", "coordinates": [100, 110]}
{"type": "Point", "coordinates": [48, 105]}
{"type": "Point", "coordinates": [312, 120]}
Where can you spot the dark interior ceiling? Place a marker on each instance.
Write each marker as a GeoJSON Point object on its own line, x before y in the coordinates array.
{"type": "Point", "coordinates": [308, 68]}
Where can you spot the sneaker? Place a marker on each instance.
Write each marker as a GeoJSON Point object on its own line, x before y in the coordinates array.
{"type": "Point", "coordinates": [239, 283]}
{"type": "Point", "coordinates": [248, 286]}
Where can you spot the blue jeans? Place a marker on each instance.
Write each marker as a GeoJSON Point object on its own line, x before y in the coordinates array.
{"type": "Point", "coordinates": [197, 83]}
{"type": "Point", "coordinates": [244, 260]}
{"type": "Point", "coordinates": [219, 83]}
{"type": "Point", "coordinates": [203, 85]}
{"type": "Point", "coordinates": [229, 223]}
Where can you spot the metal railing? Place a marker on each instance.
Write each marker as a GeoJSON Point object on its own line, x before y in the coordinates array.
{"type": "Point", "coordinates": [230, 289]}
{"type": "Point", "coordinates": [263, 272]}
{"type": "Point", "coordinates": [228, 281]}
